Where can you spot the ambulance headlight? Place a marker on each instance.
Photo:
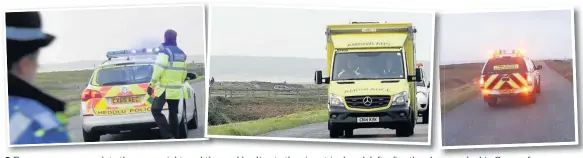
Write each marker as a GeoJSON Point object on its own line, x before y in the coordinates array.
{"type": "Point", "coordinates": [335, 100]}
{"type": "Point", "coordinates": [401, 98]}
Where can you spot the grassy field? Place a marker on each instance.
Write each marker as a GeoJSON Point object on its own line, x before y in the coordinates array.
{"type": "Point", "coordinates": [563, 67]}
{"type": "Point", "coordinates": [250, 108]}
{"type": "Point", "coordinates": [257, 127]}
{"type": "Point", "coordinates": [68, 85]}
{"type": "Point", "coordinates": [458, 83]}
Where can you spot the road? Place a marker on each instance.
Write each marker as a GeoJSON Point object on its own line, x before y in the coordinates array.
{"type": "Point", "coordinates": [77, 135]}
{"type": "Point", "coordinates": [320, 130]}
{"type": "Point", "coordinates": [551, 119]}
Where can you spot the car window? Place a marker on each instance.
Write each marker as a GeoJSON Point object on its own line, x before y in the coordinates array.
{"type": "Point", "coordinates": [121, 75]}
{"type": "Point", "coordinates": [420, 83]}
{"type": "Point", "coordinates": [505, 65]}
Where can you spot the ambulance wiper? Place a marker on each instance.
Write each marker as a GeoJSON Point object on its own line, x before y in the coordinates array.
{"type": "Point", "coordinates": [360, 78]}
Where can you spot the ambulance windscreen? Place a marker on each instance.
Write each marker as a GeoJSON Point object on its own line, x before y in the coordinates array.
{"type": "Point", "coordinates": [368, 66]}
{"type": "Point", "coordinates": [123, 75]}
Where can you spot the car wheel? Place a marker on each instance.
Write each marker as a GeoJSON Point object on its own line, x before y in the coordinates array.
{"type": "Point", "coordinates": [425, 118]}
{"type": "Point", "coordinates": [182, 129]}
{"type": "Point", "coordinates": [407, 129]}
{"type": "Point", "coordinates": [491, 101]}
{"type": "Point", "coordinates": [91, 136]}
{"type": "Point", "coordinates": [538, 87]}
{"type": "Point", "coordinates": [532, 98]}
{"type": "Point", "coordinates": [334, 131]}
{"type": "Point", "coordinates": [193, 123]}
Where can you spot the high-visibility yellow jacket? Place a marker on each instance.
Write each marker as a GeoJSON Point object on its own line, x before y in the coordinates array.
{"type": "Point", "coordinates": [169, 73]}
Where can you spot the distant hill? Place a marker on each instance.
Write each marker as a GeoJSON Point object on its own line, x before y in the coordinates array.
{"type": "Point", "coordinates": [271, 69]}
{"type": "Point", "coordinates": [90, 64]}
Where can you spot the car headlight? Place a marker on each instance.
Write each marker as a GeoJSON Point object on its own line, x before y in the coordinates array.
{"type": "Point", "coordinates": [335, 100]}
{"type": "Point", "coordinates": [421, 94]}
{"type": "Point", "coordinates": [401, 98]}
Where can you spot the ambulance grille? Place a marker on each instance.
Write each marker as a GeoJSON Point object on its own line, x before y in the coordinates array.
{"type": "Point", "coordinates": [375, 101]}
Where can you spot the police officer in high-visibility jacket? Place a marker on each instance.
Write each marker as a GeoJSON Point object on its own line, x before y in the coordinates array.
{"type": "Point", "coordinates": [167, 79]}
{"type": "Point", "coordinates": [35, 117]}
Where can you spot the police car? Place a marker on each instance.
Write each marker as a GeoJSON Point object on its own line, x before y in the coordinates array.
{"type": "Point", "coordinates": [423, 93]}
{"type": "Point", "coordinates": [510, 75]}
{"type": "Point", "coordinates": [116, 98]}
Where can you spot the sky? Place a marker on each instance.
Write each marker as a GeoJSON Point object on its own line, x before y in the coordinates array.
{"type": "Point", "coordinates": [465, 38]}
{"type": "Point", "coordinates": [290, 32]}
{"type": "Point", "coordinates": [88, 34]}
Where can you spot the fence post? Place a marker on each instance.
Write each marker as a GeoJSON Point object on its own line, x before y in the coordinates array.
{"type": "Point", "coordinates": [252, 93]}
{"type": "Point", "coordinates": [319, 95]}
{"type": "Point", "coordinates": [275, 95]}
{"type": "Point", "coordinates": [298, 96]}
{"type": "Point", "coordinates": [226, 93]}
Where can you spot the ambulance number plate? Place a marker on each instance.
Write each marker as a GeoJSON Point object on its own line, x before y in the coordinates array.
{"type": "Point", "coordinates": [367, 119]}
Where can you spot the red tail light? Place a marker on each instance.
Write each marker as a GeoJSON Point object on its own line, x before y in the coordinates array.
{"type": "Point", "coordinates": [88, 94]}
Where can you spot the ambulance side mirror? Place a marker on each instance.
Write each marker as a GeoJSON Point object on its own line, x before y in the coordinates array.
{"type": "Point", "coordinates": [190, 76]}
{"type": "Point", "coordinates": [318, 79]}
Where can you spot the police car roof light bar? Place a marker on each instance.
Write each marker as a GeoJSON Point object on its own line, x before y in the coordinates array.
{"type": "Point", "coordinates": [133, 52]}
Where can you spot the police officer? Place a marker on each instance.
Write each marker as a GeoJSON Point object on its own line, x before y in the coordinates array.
{"type": "Point", "coordinates": [35, 117]}
{"type": "Point", "coordinates": [167, 78]}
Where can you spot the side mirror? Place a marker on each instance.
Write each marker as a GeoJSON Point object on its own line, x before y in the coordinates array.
{"type": "Point", "coordinates": [318, 79]}
{"type": "Point", "coordinates": [190, 76]}
{"type": "Point", "coordinates": [428, 83]}
{"type": "Point", "coordinates": [418, 75]}
{"type": "Point", "coordinates": [539, 67]}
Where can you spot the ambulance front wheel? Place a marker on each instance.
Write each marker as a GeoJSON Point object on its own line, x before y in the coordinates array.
{"type": "Point", "coordinates": [407, 129]}
{"type": "Point", "coordinates": [335, 132]}
{"type": "Point", "coordinates": [91, 136]}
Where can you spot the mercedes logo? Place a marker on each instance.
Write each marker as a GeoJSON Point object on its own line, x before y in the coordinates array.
{"type": "Point", "coordinates": [124, 90]}
{"type": "Point", "coordinates": [367, 101]}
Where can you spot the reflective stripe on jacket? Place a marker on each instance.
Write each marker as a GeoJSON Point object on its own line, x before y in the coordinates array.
{"type": "Point", "coordinates": [170, 73]}
{"type": "Point", "coordinates": [33, 123]}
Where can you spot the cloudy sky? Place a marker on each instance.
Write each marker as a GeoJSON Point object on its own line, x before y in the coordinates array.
{"type": "Point", "coordinates": [466, 38]}
{"type": "Point", "coordinates": [289, 32]}
{"type": "Point", "coordinates": [88, 34]}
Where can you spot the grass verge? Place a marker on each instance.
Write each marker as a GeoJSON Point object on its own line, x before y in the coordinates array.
{"type": "Point", "coordinates": [72, 109]}
{"type": "Point", "coordinates": [257, 127]}
{"type": "Point", "coordinates": [562, 67]}
{"type": "Point", "coordinates": [452, 98]}
{"type": "Point", "coordinates": [197, 79]}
